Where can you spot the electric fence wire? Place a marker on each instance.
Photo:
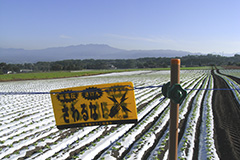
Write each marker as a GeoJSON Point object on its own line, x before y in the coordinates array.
{"type": "Point", "coordinates": [106, 89]}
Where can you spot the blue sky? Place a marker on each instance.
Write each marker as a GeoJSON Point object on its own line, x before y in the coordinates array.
{"type": "Point", "coordinates": [204, 26]}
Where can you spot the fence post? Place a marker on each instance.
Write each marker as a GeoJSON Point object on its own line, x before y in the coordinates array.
{"type": "Point", "coordinates": [174, 112]}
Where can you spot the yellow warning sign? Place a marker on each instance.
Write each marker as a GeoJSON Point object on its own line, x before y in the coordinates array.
{"type": "Point", "coordinates": [112, 103]}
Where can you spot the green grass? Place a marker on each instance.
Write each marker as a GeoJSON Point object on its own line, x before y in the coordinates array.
{"type": "Point", "coordinates": [197, 68]}
{"type": "Point", "coordinates": [183, 68]}
{"type": "Point", "coordinates": [64, 74]}
{"type": "Point", "coordinates": [50, 75]}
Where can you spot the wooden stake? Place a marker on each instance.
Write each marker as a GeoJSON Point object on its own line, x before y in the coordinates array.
{"type": "Point", "coordinates": [174, 112]}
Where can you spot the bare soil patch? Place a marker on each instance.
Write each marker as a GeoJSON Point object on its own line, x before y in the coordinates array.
{"type": "Point", "coordinates": [226, 112]}
{"type": "Point", "coordinates": [231, 67]}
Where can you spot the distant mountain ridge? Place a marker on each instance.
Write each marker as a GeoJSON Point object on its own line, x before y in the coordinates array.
{"type": "Point", "coordinates": [89, 51]}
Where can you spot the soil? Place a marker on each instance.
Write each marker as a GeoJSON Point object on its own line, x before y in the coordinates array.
{"type": "Point", "coordinates": [231, 67]}
{"type": "Point", "coordinates": [226, 112]}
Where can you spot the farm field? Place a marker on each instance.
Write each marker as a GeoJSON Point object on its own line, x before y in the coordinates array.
{"type": "Point", "coordinates": [88, 72]}
{"type": "Point", "coordinates": [209, 120]}
{"type": "Point", "coordinates": [57, 74]}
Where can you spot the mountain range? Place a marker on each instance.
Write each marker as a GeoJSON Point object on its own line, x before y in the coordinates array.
{"type": "Point", "coordinates": [89, 51]}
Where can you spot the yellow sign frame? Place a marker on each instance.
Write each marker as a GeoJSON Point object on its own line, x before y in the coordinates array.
{"type": "Point", "coordinates": [102, 104]}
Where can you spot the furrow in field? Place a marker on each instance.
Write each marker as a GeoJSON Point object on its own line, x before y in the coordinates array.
{"type": "Point", "coordinates": [27, 120]}
{"type": "Point", "coordinates": [160, 148]}
{"type": "Point", "coordinates": [226, 111]}
{"type": "Point", "coordinates": [206, 139]}
{"type": "Point", "coordinates": [119, 132]}
{"type": "Point", "coordinates": [232, 85]}
{"type": "Point", "coordinates": [108, 139]}
{"type": "Point", "coordinates": [90, 138]}
{"type": "Point", "coordinates": [73, 148]}
{"type": "Point", "coordinates": [142, 147]}
{"type": "Point", "coordinates": [119, 148]}
{"type": "Point", "coordinates": [14, 111]}
{"type": "Point", "coordinates": [186, 143]}
{"type": "Point", "coordinates": [23, 126]}
{"type": "Point", "coordinates": [42, 140]}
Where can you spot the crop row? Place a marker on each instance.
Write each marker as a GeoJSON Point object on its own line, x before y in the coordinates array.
{"type": "Point", "coordinates": [161, 149]}
{"type": "Point", "coordinates": [207, 148]}
{"type": "Point", "coordinates": [21, 133]}
{"type": "Point", "coordinates": [140, 146]}
{"type": "Point", "coordinates": [232, 85]}
{"type": "Point", "coordinates": [27, 126]}
{"type": "Point", "coordinates": [186, 144]}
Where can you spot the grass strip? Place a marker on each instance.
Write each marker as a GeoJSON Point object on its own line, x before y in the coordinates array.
{"type": "Point", "coordinates": [65, 74]}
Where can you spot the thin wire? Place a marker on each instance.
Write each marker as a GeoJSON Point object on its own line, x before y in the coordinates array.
{"type": "Point", "coordinates": [215, 89]}
{"type": "Point", "coordinates": [106, 89]}
{"type": "Point", "coordinates": [159, 86]}
{"type": "Point", "coordinates": [21, 93]}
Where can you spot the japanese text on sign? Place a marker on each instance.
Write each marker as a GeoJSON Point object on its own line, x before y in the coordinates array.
{"type": "Point", "coordinates": [94, 105]}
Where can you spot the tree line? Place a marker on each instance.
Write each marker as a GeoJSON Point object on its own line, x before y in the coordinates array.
{"type": "Point", "coordinates": [160, 62]}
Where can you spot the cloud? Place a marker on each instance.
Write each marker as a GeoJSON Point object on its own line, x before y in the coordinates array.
{"type": "Point", "coordinates": [65, 36]}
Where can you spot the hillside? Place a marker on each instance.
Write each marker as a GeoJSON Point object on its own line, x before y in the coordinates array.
{"type": "Point", "coordinates": [89, 51]}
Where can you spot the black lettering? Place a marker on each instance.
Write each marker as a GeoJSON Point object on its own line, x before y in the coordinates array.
{"type": "Point", "coordinates": [65, 113]}
{"type": "Point", "coordinates": [84, 112]}
{"type": "Point", "coordinates": [92, 93]}
{"type": "Point", "coordinates": [93, 112]}
{"type": "Point", "coordinates": [105, 110]}
{"type": "Point", "coordinates": [75, 113]}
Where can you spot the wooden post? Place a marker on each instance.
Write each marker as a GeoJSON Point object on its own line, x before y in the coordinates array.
{"type": "Point", "coordinates": [174, 112]}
